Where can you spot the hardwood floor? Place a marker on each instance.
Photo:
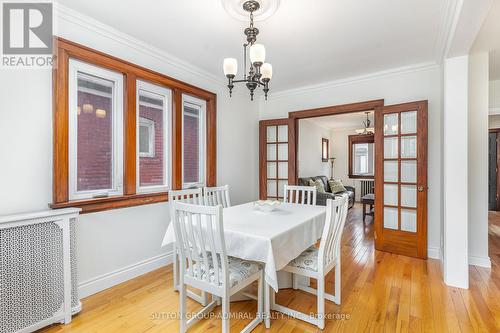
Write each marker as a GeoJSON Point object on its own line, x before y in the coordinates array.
{"type": "Point", "coordinates": [381, 292]}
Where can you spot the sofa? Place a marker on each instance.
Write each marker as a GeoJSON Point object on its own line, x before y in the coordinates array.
{"type": "Point", "coordinates": [321, 197]}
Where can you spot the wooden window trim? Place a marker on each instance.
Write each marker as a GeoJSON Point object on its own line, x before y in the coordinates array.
{"type": "Point", "coordinates": [368, 138]}
{"type": "Point", "coordinates": [64, 50]}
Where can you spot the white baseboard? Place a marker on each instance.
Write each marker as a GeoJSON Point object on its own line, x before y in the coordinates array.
{"type": "Point", "coordinates": [108, 280]}
{"type": "Point", "coordinates": [433, 252]}
{"type": "Point", "coordinates": [480, 261]}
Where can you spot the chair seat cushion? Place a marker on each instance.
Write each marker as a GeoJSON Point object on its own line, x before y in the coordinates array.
{"type": "Point", "coordinates": [238, 269]}
{"type": "Point", "coordinates": [306, 260]}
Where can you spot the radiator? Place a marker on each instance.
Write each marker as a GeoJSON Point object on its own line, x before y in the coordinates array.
{"type": "Point", "coordinates": [38, 273]}
{"type": "Point", "coordinates": [367, 187]}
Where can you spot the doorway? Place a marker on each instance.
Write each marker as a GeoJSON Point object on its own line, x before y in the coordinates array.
{"type": "Point", "coordinates": [493, 163]}
{"type": "Point", "coordinates": [401, 168]}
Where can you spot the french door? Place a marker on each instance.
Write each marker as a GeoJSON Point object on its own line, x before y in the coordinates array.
{"type": "Point", "coordinates": [401, 179]}
{"type": "Point", "coordinates": [274, 157]}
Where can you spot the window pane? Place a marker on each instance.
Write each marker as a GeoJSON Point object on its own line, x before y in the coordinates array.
{"type": "Point", "coordinates": [271, 133]}
{"type": "Point", "coordinates": [151, 139]}
{"type": "Point", "coordinates": [390, 218]}
{"type": "Point", "coordinates": [94, 133]}
{"type": "Point", "coordinates": [390, 147]}
{"type": "Point", "coordinates": [391, 124]}
{"type": "Point", "coordinates": [192, 143]}
{"type": "Point", "coordinates": [363, 158]}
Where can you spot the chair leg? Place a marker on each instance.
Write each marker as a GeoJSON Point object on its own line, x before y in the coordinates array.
{"type": "Point", "coordinates": [176, 269]}
{"type": "Point", "coordinates": [337, 281]}
{"type": "Point", "coordinates": [204, 298]}
{"type": "Point", "coordinates": [267, 306]}
{"type": "Point", "coordinates": [321, 302]}
{"type": "Point", "coordinates": [225, 314]}
{"type": "Point", "coordinates": [260, 294]}
{"type": "Point", "coordinates": [295, 281]}
{"type": "Point", "coordinates": [182, 308]}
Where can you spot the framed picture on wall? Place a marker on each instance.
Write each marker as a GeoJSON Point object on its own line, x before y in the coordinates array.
{"type": "Point", "coordinates": [324, 149]}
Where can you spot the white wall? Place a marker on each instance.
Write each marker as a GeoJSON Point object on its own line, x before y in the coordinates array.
{"type": "Point", "coordinates": [118, 244]}
{"type": "Point", "coordinates": [494, 95]}
{"type": "Point", "coordinates": [341, 154]}
{"type": "Point", "coordinates": [421, 83]}
{"type": "Point", "coordinates": [455, 165]}
{"type": "Point", "coordinates": [309, 154]}
{"type": "Point", "coordinates": [478, 159]}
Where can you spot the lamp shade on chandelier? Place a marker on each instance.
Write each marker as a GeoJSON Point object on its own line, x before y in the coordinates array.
{"type": "Point", "coordinates": [260, 72]}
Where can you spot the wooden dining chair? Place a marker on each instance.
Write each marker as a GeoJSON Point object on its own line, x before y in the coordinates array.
{"type": "Point", "coordinates": [305, 195]}
{"type": "Point", "coordinates": [205, 265]}
{"type": "Point", "coordinates": [317, 263]}
{"type": "Point", "coordinates": [193, 196]}
{"type": "Point", "coordinates": [217, 196]}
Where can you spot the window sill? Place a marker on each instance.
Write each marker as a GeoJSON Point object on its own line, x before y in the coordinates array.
{"type": "Point", "coordinates": [102, 204]}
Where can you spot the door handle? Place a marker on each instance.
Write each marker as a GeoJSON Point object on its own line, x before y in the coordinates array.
{"type": "Point", "coordinates": [420, 188]}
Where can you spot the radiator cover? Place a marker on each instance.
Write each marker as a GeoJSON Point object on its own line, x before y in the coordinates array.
{"type": "Point", "coordinates": [32, 269]}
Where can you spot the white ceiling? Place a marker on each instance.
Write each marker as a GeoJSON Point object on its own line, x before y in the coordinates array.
{"type": "Point", "coordinates": [347, 120]}
{"type": "Point", "coordinates": [307, 42]}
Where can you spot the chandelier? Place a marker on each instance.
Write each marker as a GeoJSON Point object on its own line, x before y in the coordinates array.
{"type": "Point", "coordinates": [260, 72]}
{"type": "Point", "coordinates": [366, 124]}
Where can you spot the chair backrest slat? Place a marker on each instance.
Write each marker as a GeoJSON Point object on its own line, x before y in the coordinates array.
{"type": "Point", "coordinates": [217, 196]}
{"type": "Point", "coordinates": [305, 195]}
{"type": "Point", "coordinates": [200, 241]}
{"type": "Point", "coordinates": [336, 215]}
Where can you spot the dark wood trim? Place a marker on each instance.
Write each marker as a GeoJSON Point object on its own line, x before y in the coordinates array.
{"type": "Point", "coordinates": [211, 142]}
{"type": "Point", "coordinates": [352, 139]}
{"type": "Point", "coordinates": [129, 135]}
{"type": "Point", "coordinates": [337, 109]}
{"type": "Point", "coordinates": [96, 205]}
{"type": "Point", "coordinates": [177, 139]}
{"type": "Point", "coordinates": [64, 50]}
{"type": "Point", "coordinates": [323, 158]}
{"type": "Point", "coordinates": [60, 116]}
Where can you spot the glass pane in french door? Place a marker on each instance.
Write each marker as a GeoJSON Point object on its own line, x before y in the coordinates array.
{"type": "Point", "coordinates": [276, 164]}
{"type": "Point", "coordinates": [400, 171]}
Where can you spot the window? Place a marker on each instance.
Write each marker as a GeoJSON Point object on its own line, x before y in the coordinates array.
{"type": "Point", "coordinates": [193, 141]}
{"type": "Point", "coordinates": [120, 131]}
{"type": "Point", "coordinates": [361, 156]}
{"type": "Point", "coordinates": [153, 135]}
{"type": "Point", "coordinates": [95, 131]}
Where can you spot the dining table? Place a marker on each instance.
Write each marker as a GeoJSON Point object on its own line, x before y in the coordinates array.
{"type": "Point", "coordinates": [273, 238]}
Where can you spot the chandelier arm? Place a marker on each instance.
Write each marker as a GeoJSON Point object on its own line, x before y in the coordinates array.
{"type": "Point", "coordinates": [239, 81]}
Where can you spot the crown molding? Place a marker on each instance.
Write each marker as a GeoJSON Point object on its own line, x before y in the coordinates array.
{"type": "Point", "coordinates": [450, 14]}
{"type": "Point", "coordinates": [94, 26]}
{"type": "Point", "coordinates": [355, 79]}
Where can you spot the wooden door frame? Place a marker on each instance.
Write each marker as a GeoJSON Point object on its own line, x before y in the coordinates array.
{"type": "Point", "coordinates": [497, 131]}
{"type": "Point", "coordinates": [293, 127]}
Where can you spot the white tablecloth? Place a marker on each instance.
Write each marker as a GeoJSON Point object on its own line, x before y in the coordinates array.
{"type": "Point", "coordinates": [273, 238]}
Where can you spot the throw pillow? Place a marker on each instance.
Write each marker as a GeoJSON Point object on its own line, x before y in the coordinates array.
{"type": "Point", "coordinates": [318, 184]}
{"type": "Point", "coordinates": [336, 186]}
